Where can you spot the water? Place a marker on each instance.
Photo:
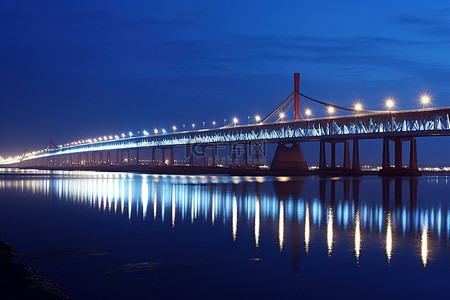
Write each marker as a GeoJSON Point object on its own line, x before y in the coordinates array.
{"type": "Point", "coordinates": [120, 235]}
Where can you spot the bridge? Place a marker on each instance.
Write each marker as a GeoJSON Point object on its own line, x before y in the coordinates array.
{"type": "Point", "coordinates": [245, 142]}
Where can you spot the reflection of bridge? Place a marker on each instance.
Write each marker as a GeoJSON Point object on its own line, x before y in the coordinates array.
{"type": "Point", "coordinates": [396, 126]}
{"type": "Point", "coordinates": [225, 200]}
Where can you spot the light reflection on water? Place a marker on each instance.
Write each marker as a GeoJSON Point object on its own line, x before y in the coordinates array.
{"type": "Point", "coordinates": [257, 200]}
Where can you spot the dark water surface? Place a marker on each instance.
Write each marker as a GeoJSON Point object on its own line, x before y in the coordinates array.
{"type": "Point", "coordinates": [128, 236]}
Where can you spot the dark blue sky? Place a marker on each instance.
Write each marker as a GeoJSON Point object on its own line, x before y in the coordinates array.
{"type": "Point", "coordinates": [79, 69]}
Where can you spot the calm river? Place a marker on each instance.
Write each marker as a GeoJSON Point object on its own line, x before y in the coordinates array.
{"type": "Point", "coordinates": [134, 236]}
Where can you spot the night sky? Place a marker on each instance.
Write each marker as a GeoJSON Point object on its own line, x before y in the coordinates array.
{"type": "Point", "coordinates": [80, 69]}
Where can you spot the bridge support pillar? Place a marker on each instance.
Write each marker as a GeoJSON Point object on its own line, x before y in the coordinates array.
{"type": "Point", "coordinates": [163, 156]}
{"type": "Point", "coordinates": [128, 159]}
{"type": "Point", "coordinates": [213, 153]}
{"type": "Point", "coordinates": [398, 154]}
{"type": "Point", "coordinates": [257, 156]}
{"type": "Point", "coordinates": [108, 158]}
{"type": "Point", "coordinates": [413, 155]}
{"type": "Point", "coordinates": [203, 157]}
{"type": "Point", "coordinates": [333, 154]}
{"type": "Point", "coordinates": [289, 158]}
{"type": "Point", "coordinates": [245, 157]}
{"type": "Point", "coordinates": [356, 167]}
{"type": "Point", "coordinates": [138, 163]}
{"type": "Point", "coordinates": [172, 159]}
{"type": "Point", "coordinates": [398, 169]}
{"type": "Point", "coordinates": [153, 164]}
{"type": "Point", "coordinates": [322, 155]}
{"type": "Point", "coordinates": [346, 155]}
{"type": "Point", "coordinates": [233, 155]}
{"type": "Point", "coordinates": [191, 155]}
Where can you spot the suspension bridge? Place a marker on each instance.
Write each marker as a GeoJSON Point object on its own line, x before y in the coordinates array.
{"type": "Point", "coordinates": [244, 143]}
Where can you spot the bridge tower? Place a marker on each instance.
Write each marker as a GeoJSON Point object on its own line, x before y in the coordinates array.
{"type": "Point", "coordinates": [296, 96]}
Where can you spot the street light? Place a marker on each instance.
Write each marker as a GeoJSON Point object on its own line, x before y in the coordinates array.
{"type": "Point", "coordinates": [282, 115]}
{"type": "Point", "coordinates": [214, 123]}
{"type": "Point", "coordinates": [123, 135]}
{"type": "Point", "coordinates": [389, 103]}
{"type": "Point", "coordinates": [174, 128]}
{"type": "Point", "coordinates": [163, 130]}
{"type": "Point", "coordinates": [193, 126]}
{"type": "Point", "coordinates": [146, 133]}
{"type": "Point", "coordinates": [330, 110]}
{"type": "Point", "coordinates": [257, 118]}
{"type": "Point", "coordinates": [155, 131]}
{"type": "Point", "coordinates": [130, 134]}
{"type": "Point", "coordinates": [203, 125]}
{"type": "Point", "coordinates": [425, 99]}
{"type": "Point", "coordinates": [307, 113]}
{"type": "Point", "coordinates": [358, 107]}
{"type": "Point", "coordinates": [235, 121]}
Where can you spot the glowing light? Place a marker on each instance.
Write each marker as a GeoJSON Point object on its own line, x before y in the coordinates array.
{"type": "Point", "coordinates": [390, 103]}
{"type": "Point", "coordinates": [235, 218]}
{"type": "Point", "coordinates": [123, 135]}
{"type": "Point", "coordinates": [330, 110]}
{"type": "Point", "coordinates": [358, 107]}
{"type": "Point", "coordinates": [100, 139]}
{"type": "Point", "coordinates": [130, 134]}
{"type": "Point", "coordinates": [116, 137]}
{"type": "Point", "coordinates": [105, 138]}
{"type": "Point", "coordinates": [282, 115]}
{"type": "Point", "coordinates": [308, 112]}
{"type": "Point", "coordinates": [425, 99]}
{"type": "Point", "coordinates": [214, 123]}
{"type": "Point", "coordinates": [330, 231]}
{"type": "Point", "coordinates": [257, 118]}
{"type": "Point", "coordinates": [257, 221]}
{"type": "Point", "coordinates": [357, 236]}
{"type": "Point", "coordinates": [389, 238]}
{"type": "Point", "coordinates": [193, 126]}
{"type": "Point", "coordinates": [163, 130]}
{"type": "Point", "coordinates": [174, 128]}
{"type": "Point", "coordinates": [424, 244]}
{"type": "Point", "coordinates": [146, 133]}
{"type": "Point", "coordinates": [307, 229]}
{"type": "Point", "coordinates": [235, 120]}
{"type": "Point", "coordinates": [155, 130]}
{"type": "Point", "coordinates": [281, 226]}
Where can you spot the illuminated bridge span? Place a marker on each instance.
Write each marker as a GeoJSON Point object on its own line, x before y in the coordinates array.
{"type": "Point", "coordinates": [390, 125]}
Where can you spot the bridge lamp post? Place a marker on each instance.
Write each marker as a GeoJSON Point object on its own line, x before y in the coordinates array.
{"type": "Point", "coordinates": [307, 113]}
{"type": "Point", "coordinates": [155, 131]}
{"type": "Point", "coordinates": [184, 126]}
{"type": "Point", "coordinates": [358, 107]}
{"type": "Point", "coordinates": [214, 123]}
{"type": "Point", "coordinates": [193, 126]}
{"type": "Point", "coordinates": [130, 134]}
{"type": "Point", "coordinates": [425, 99]}
{"type": "Point", "coordinates": [146, 133]}
{"type": "Point", "coordinates": [282, 115]}
{"type": "Point", "coordinates": [203, 125]}
{"type": "Point", "coordinates": [390, 105]}
{"type": "Point", "coordinates": [235, 121]}
{"type": "Point", "coordinates": [174, 128]}
{"type": "Point", "coordinates": [330, 110]}
{"type": "Point", "coordinates": [257, 118]}
{"type": "Point", "coordinates": [123, 135]}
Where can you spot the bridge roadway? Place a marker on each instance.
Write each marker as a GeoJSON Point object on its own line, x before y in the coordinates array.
{"type": "Point", "coordinates": [398, 126]}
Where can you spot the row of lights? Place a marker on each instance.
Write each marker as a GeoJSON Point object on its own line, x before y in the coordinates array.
{"type": "Point", "coordinates": [389, 103]}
